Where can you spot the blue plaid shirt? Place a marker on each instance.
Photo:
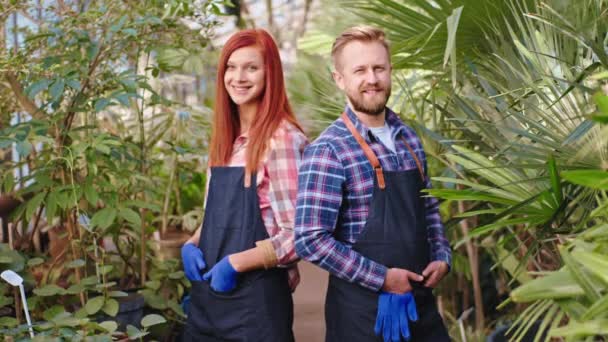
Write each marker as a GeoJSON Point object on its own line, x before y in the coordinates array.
{"type": "Point", "coordinates": [335, 186]}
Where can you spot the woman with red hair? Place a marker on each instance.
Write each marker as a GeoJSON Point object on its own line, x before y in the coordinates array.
{"type": "Point", "coordinates": [241, 262]}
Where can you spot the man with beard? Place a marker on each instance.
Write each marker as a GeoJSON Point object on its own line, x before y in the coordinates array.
{"type": "Point", "coordinates": [361, 213]}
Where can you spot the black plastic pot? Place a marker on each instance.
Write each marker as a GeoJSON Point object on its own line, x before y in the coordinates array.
{"type": "Point", "coordinates": [130, 311]}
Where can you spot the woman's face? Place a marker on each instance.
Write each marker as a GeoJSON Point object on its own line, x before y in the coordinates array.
{"type": "Point", "coordinates": [244, 76]}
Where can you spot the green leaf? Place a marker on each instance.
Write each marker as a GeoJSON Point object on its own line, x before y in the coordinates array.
{"type": "Point", "coordinates": [601, 118]}
{"type": "Point", "coordinates": [88, 281]}
{"type": "Point", "coordinates": [601, 100]}
{"type": "Point", "coordinates": [579, 275]}
{"type": "Point", "coordinates": [34, 204]}
{"type": "Point", "coordinates": [49, 290]}
{"type": "Point", "coordinates": [153, 284]}
{"type": "Point", "coordinates": [135, 333]}
{"type": "Point", "coordinates": [9, 322]}
{"type": "Point", "coordinates": [70, 321]}
{"type": "Point", "coordinates": [24, 148]}
{"type": "Point", "coordinates": [555, 285]}
{"type": "Point", "coordinates": [104, 218]}
{"type": "Point", "coordinates": [94, 305]}
{"type": "Point", "coordinates": [111, 307]}
{"type": "Point", "coordinates": [92, 50]}
{"type": "Point", "coordinates": [100, 104]}
{"type": "Point", "coordinates": [75, 289]}
{"type": "Point", "coordinates": [103, 148]}
{"type": "Point", "coordinates": [9, 182]}
{"type": "Point", "coordinates": [105, 269]}
{"type": "Point", "coordinates": [90, 194]}
{"type": "Point", "coordinates": [595, 179]}
{"type": "Point", "coordinates": [153, 300]}
{"type": "Point", "coordinates": [174, 305]}
{"type": "Point", "coordinates": [594, 262]}
{"type": "Point", "coordinates": [131, 216]}
{"type": "Point", "coordinates": [74, 84]}
{"type": "Point", "coordinates": [33, 89]}
{"type": "Point", "coordinates": [142, 204]}
{"type": "Point", "coordinates": [597, 309]}
{"type": "Point", "coordinates": [555, 181]}
{"type": "Point", "coordinates": [53, 311]}
{"type": "Point", "coordinates": [34, 262]}
{"type": "Point", "coordinates": [576, 330]}
{"type": "Point", "coordinates": [56, 90]}
{"type": "Point", "coordinates": [152, 319]}
{"type": "Point", "coordinates": [176, 275]}
{"type": "Point", "coordinates": [51, 206]}
{"type": "Point", "coordinates": [4, 301]}
{"type": "Point", "coordinates": [76, 263]}
{"type": "Point", "coordinates": [130, 32]}
{"type": "Point", "coordinates": [116, 294]}
{"type": "Point", "coordinates": [109, 326]}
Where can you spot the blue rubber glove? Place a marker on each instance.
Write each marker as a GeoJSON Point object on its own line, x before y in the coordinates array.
{"type": "Point", "coordinates": [194, 263]}
{"type": "Point", "coordinates": [222, 275]}
{"type": "Point", "coordinates": [394, 313]}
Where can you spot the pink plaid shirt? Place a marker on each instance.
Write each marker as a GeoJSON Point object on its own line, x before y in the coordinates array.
{"type": "Point", "coordinates": [277, 187]}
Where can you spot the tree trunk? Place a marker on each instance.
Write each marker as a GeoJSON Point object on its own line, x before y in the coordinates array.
{"type": "Point", "coordinates": [473, 256]}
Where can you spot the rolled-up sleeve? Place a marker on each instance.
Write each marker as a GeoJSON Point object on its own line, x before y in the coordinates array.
{"type": "Point", "coordinates": [282, 167]}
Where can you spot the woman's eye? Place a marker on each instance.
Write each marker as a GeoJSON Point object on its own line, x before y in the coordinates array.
{"type": "Point", "coordinates": [253, 68]}
{"type": "Point", "coordinates": [229, 67]}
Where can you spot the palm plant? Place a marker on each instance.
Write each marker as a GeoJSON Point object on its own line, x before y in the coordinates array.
{"type": "Point", "coordinates": [511, 120]}
{"type": "Point", "coordinates": [524, 115]}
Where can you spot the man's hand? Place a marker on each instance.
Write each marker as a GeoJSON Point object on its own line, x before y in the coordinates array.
{"type": "Point", "coordinates": [398, 280]}
{"type": "Point", "coordinates": [434, 272]}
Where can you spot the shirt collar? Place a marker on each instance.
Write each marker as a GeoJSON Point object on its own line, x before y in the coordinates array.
{"type": "Point", "coordinates": [394, 123]}
{"type": "Point", "coordinates": [241, 139]}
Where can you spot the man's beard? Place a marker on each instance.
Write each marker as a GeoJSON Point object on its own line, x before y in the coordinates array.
{"type": "Point", "coordinates": [373, 109]}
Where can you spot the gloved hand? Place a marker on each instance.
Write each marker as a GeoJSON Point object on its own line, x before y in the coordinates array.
{"type": "Point", "coordinates": [394, 313]}
{"type": "Point", "coordinates": [222, 275]}
{"type": "Point", "coordinates": [194, 263]}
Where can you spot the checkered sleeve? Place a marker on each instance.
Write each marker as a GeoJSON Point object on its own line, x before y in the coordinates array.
{"type": "Point", "coordinates": [320, 191]}
{"type": "Point", "coordinates": [282, 167]}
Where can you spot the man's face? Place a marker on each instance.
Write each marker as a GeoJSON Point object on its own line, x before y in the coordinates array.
{"type": "Point", "coordinates": [363, 72]}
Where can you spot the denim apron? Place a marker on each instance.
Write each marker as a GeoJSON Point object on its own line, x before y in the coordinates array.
{"type": "Point", "coordinates": [260, 308]}
{"type": "Point", "coordinates": [394, 235]}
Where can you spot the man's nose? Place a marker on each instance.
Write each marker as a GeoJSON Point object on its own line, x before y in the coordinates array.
{"type": "Point", "coordinates": [371, 77]}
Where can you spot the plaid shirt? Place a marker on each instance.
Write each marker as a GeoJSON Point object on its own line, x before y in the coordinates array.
{"type": "Point", "coordinates": [277, 189]}
{"type": "Point", "coordinates": [335, 190]}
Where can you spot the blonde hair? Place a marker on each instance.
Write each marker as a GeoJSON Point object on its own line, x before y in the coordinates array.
{"type": "Point", "coordinates": [361, 33]}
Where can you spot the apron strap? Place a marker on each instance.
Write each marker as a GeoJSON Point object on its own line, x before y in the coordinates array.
{"type": "Point", "coordinates": [371, 156]}
{"type": "Point", "coordinates": [418, 163]}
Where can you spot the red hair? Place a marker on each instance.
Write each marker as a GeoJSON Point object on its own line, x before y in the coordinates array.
{"type": "Point", "coordinates": [272, 110]}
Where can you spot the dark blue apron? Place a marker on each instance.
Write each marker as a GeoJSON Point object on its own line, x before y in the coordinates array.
{"type": "Point", "coordinates": [394, 235]}
{"type": "Point", "coordinates": [260, 308]}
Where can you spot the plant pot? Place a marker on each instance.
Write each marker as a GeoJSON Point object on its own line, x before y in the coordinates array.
{"type": "Point", "coordinates": [130, 311]}
{"type": "Point", "coordinates": [169, 245]}
{"type": "Point", "coordinates": [8, 203]}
